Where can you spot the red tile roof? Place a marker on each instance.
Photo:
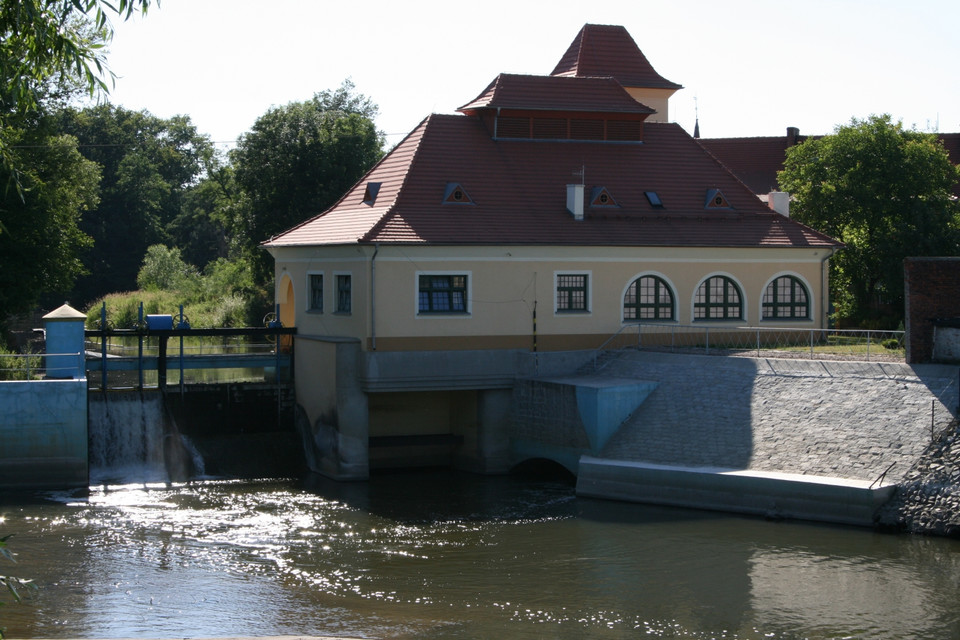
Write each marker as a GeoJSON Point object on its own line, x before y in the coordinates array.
{"type": "Point", "coordinates": [757, 161]}
{"type": "Point", "coordinates": [608, 50]}
{"type": "Point", "coordinates": [951, 142]}
{"type": "Point", "coordinates": [519, 193]}
{"type": "Point", "coordinates": [547, 93]}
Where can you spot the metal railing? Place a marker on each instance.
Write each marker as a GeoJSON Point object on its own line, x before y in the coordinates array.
{"type": "Point", "coordinates": [781, 342]}
{"type": "Point", "coordinates": [36, 366]}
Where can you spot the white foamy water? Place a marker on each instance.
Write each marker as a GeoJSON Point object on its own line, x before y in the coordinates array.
{"type": "Point", "coordinates": [126, 438]}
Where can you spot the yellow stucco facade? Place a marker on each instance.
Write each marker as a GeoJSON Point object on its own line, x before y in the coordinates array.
{"type": "Point", "coordinates": [511, 293]}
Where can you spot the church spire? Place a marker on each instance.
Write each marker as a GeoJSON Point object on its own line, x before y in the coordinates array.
{"type": "Point", "coordinates": [696, 116]}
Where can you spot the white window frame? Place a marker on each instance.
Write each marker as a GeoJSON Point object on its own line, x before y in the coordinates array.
{"type": "Point", "coordinates": [588, 300]}
{"type": "Point", "coordinates": [811, 301]}
{"type": "Point", "coordinates": [468, 302]}
{"type": "Point", "coordinates": [671, 287]}
{"type": "Point", "coordinates": [744, 301]}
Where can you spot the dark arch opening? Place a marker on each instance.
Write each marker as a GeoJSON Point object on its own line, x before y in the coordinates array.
{"type": "Point", "coordinates": [543, 469]}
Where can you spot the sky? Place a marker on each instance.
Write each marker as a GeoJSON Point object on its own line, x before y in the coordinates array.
{"type": "Point", "coordinates": [748, 67]}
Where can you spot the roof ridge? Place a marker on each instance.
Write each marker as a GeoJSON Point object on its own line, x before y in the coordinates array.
{"type": "Point", "coordinates": [717, 160]}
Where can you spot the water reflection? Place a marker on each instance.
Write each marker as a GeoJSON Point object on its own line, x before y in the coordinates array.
{"type": "Point", "coordinates": [446, 555]}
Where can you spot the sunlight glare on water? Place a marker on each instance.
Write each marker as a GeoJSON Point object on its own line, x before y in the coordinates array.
{"type": "Point", "coordinates": [447, 555]}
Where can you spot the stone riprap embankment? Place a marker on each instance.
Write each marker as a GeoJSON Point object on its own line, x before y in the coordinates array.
{"type": "Point", "coordinates": [852, 420]}
{"type": "Point", "coordinates": [928, 497]}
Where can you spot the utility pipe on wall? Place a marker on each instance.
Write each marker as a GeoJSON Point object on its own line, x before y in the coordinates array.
{"type": "Point", "coordinates": [373, 297]}
{"type": "Point", "coordinates": [825, 289]}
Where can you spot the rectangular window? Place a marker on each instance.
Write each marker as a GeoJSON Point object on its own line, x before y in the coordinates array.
{"type": "Point", "coordinates": [344, 300]}
{"type": "Point", "coordinates": [442, 294]}
{"type": "Point", "coordinates": [316, 292]}
{"type": "Point", "coordinates": [572, 292]}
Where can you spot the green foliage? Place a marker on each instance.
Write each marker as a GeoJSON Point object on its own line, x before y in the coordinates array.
{"type": "Point", "coordinates": [44, 44]}
{"type": "Point", "coordinates": [123, 309]}
{"type": "Point", "coordinates": [13, 586]}
{"type": "Point", "coordinates": [40, 252]}
{"type": "Point", "coordinates": [885, 192]}
{"type": "Point", "coordinates": [297, 161]}
{"type": "Point", "coordinates": [224, 295]}
{"type": "Point", "coordinates": [14, 366]}
{"type": "Point", "coordinates": [149, 165]}
{"type": "Point", "coordinates": [200, 228]}
{"type": "Point", "coordinates": [163, 268]}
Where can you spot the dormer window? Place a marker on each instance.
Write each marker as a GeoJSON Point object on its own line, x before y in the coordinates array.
{"type": "Point", "coordinates": [455, 194]}
{"type": "Point", "coordinates": [716, 200]}
{"type": "Point", "coordinates": [654, 199]}
{"type": "Point", "coordinates": [370, 193]}
{"type": "Point", "coordinates": [600, 197]}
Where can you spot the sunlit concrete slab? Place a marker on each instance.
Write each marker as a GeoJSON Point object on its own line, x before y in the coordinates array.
{"type": "Point", "coordinates": [769, 494]}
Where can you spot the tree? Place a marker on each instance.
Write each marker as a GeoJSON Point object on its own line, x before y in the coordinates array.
{"type": "Point", "coordinates": [885, 192]}
{"type": "Point", "coordinates": [298, 160]}
{"type": "Point", "coordinates": [40, 254]}
{"type": "Point", "coordinates": [149, 164]}
{"type": "Point", "coordinates": [48, 43]}
{"type": "Point", "coordinates": [200, 230]}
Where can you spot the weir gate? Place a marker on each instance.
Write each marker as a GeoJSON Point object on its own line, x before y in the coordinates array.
{"type": "Point", "coordinates": [224, 407]}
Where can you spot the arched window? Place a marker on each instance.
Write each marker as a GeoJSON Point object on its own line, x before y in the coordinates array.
{"type": "Point", "coordinates": [786, 299]}
{"type": "Point", "coordinates": [718, 298]}
{"type": "Point", "coordinates": [648, 298]}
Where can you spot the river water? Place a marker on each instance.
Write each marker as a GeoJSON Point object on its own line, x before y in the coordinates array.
{"type": "Point", "coordinates": [439, 554]}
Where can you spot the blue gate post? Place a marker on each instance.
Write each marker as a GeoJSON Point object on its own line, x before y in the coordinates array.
{"type": "Point", "coordinates": [64, 329]}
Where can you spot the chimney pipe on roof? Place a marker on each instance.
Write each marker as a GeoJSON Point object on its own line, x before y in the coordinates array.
{"type": "Point", "coordinates": [793, 136]}
{"type": "Point", "coordinates": [779, 201]}
{"type": "Point", "coordinates": [575, 200]}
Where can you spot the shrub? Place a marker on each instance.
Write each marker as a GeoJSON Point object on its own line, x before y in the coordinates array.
{"type": "Point", "coordinates": [231, 311]}
{"type": "Point", "coordinates": [163, 268]}
{"type": "Point", "coordinates": [15, 366]}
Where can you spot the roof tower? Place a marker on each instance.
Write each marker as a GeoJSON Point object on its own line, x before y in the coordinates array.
{"type": "Point", "coordinates": [608, 50]}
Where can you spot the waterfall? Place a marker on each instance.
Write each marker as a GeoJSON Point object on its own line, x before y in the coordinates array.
{"type": "Point", "coordinates": [133, 439]}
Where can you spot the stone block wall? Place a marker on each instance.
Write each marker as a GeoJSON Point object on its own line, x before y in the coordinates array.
{"type": "Point", "coordinates": [547, 413]}
{"type": "Point", "coordinates": [931, 291]}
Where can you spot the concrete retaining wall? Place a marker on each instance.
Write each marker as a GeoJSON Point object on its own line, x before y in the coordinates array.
{"type": "Point", "coordinates": [43, 428]}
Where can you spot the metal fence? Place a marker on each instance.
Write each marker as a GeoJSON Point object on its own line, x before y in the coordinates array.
{"type": "Point", "coordinates": [824, 344]}
{"type": "Point", "coordinates": [37, 366]}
